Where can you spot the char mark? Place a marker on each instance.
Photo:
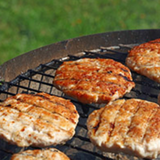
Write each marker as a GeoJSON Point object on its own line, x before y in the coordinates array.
{"type": "Point", "coordinates": [125, 78]}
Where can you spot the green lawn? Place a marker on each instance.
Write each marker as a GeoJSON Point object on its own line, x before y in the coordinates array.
{"type": "Point", "coordinates": [27, 25]}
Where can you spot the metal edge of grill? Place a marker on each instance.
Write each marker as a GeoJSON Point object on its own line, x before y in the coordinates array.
{"type": "Point", "coordinates": [40, 79]}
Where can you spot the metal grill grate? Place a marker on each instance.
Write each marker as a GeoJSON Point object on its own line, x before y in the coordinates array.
{"type": "Point", "coordinates": [40, 80]}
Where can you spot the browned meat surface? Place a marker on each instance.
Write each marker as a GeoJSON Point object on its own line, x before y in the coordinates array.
{"type": "Point", "coordinates": [93, 80]}
{"type": "Point", "coordinates": [37, 120]}
{"type": "Point", "coordinates": [129, 126]}
{"type": "Point", "coordinates": [45, 154]}
{"type": "Point", "coordinates": [145, 59]}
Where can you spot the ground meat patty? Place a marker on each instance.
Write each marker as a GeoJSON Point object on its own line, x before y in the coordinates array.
{"type": "Point", "coordinates": [145, 59]}
{"type": "Point", "coordinates": [93, 80]}
{"type": "Point", "coordinates": [45, 154]}
{"type": "Point", "coordinates": [130, 126]}
{"type": "Point", "coordinates": [37, 120]}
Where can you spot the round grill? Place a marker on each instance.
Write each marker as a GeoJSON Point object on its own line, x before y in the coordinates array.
{"type": "Point", "coordinates": [40, 78]}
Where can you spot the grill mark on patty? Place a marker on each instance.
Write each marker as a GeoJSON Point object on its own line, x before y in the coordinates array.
{"type": "Point", "coordinates": [103, 88]}
{"type": "Point", "coordinates": [136, 131]}
{"type": "Point", "coordinates": [103, 127]}
{"type": "Point", "coordinates": [32, 110]}
{"type": "Point", "coordinates": [31, 99]}
{"type": "Point", "coordinates": [52, 100]}
{"type": "Point", "coordinates": [125, 78]}
{"type": "Point", "coordinates": [95, 92]}
{"type": "Point", "coordinates": [41, 107]}
{"type": "Point", "coordinates": [67, 104]}
{"type": "Point", "coordinates": [58, 101]}
{"type": "Point", "coordinates": [74, 84]}
{"type": "Point", "coordinates": [153, 130]}
{"type": "Point", "coordinates": [125, 70]}
{"type": "Point", "coordinates": [88, 80]}
{"type": "Point", "coordinates": [95, 128]}
{"type": "Point", "coordinates": [132, 117]}
{"type": "Point", "coordinates": [39, 118]}
{"type": "Point", "coordinates": [113, 124]}
{"type": "Point", "coordinates": [91, 70]}
{"type": "Point", "coordinates": [151, 117]}
{"type": "Point", "coordinates": [93, 76]}
{"type": "Point", "coordinates": [122, 122]}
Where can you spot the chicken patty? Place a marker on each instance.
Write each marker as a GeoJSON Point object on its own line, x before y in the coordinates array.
{"type": "Point", "coordinates": [93, 80]}
{"type": "Point", "coordinates": [145, 59]}
{"type": "Point", "coordinates": [129, 126]}
{"type": "Point", "coordinates": [44, 154]}
{"type": "Point", "coordinates": [37, 120]}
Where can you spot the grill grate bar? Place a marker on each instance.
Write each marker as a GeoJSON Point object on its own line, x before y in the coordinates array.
{"type": "Point", "coordinates": [107, 55]}
{"type": "Point", "coordinates": [82, 125]}
{"type": "Point", "coordinates": [34, 80]}
{"type": "Point", "coordinates": [82, 138]}
{"type": "Point", "coordinates": [7, 93]}
{"type": "Point", "coordinates": [18, 87]}
{"type": "Point", "coordinates": [38, 72]}
{"type": "Point", "coordinates": [144, 93]}
{"type": "Point", "coordinates": [89, 152]}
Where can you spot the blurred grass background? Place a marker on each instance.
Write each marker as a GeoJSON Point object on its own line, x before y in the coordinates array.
{"type": "Point", "coordinates": [28, 25]}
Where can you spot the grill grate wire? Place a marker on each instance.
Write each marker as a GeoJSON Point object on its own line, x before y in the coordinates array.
{"type": "Point", "coordinates": [40, 80]}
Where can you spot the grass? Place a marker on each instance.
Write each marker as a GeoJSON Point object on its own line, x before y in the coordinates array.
{"type": "Point", "coordinates": [27, 25]}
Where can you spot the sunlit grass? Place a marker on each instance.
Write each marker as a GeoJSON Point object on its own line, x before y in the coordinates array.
{"type": "Point", "coordinates": [27, 25]}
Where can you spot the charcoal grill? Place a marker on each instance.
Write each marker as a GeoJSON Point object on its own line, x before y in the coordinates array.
{"type": "Point", "coordinates": [34, 71]}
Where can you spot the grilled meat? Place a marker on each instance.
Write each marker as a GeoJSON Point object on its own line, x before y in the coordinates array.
{"type": "Point", "coordinates": [145, 59]}
{"type": "Point", "coordinates": [130, 126]}
{"type": "Point", "coordinates": [93, 80]}
{"type": "Point", "coordinates": [37, 120]}
{"type": "Point", "coordinates": [45, 154]}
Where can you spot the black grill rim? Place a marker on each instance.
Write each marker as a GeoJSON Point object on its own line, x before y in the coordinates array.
{"type": "Point", "coordinates": [14, 67]}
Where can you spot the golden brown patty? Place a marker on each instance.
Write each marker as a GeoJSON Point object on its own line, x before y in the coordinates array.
{"type": "Point", "coordinates": [37, 120]}
{"type": "Point", "coordinates": [45, 154]}
{"type": "Point", "coordinates": [129, 126]}
{"type": "Point", "coordinates": [94, 80]}
{"type": "Point", "coordinates": [145, 59]}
